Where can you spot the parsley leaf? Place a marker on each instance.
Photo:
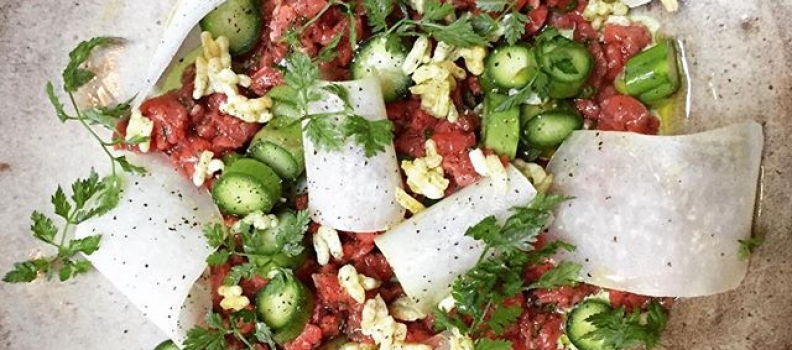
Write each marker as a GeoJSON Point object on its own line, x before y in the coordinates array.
{"type": "Point", "coordinates": [490, 344]}
{"type": "Point", "coordinates": [205, 339]}
{"type": "Point", "coordinates": [747, 246]}
{"type": "Point", "coordinates": [246, 270]}
{"type": "Point", "coordinates": [539, 85]}
{"type": "Point", "coordinates": [459, 33]}
{"type": "Point", "coordinates": [216, 234]}
{"type": "Point", "coordinates": [377, 12]}
{"type": "Point", "coordinates": [55, 101]}
{"type": "Point", "coordinates": [264, 335]}
{"type": "Point", "coordinates": [293, 234]}
{"type": "Point", "coordinates": [108, 117]}
{"type": "Point", "coordinates": [566, 273]}
{"type": "Point", "coordinates": [330, 52]}
{"type": "Point", "coordinates": [43, 228]}
{"type": "Point", "coordinates": [27, 271]}
{"type": "Point", "coordinates": [323, 131]}
{"type": "Point", "coordinates": [491, 5]}
{"type": "Point", "coordinates": [434, 10]}
{"type": "Point", "coordinates": [373, 136]}
{"type": "Point", "coordinates": [74, 76]}
{"type": "Point", "coordinates": [502, 317]}
{"type": "Point", "coordinates": [514, 27]}
{"type": "Point", "coordinates": [616, 329]}
{"type": "Point", "coordinates": [565, 65]}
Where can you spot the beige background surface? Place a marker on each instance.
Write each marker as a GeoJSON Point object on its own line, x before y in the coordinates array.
{"type": "Point", "coordinates": [740, 59]}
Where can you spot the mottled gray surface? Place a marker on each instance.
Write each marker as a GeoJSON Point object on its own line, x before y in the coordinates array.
{"type": "Point", "coordinates": [742, 66]}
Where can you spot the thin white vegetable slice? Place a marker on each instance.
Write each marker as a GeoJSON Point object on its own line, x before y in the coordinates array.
{"type": "Point", "coordinates": [153, 249]}
{"type": "Point", "coordinates": [429, 251]}
{"type": "Point", "coordinates": [659, 215]}
{"type": "Point", "coordinates": [347, 190]}
{"type": "Point", "coordinates": [181, 37]}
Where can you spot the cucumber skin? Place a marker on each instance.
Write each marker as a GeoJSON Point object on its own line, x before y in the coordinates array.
{"type": "Point", "coordinates": [167, 345]}
{"type": "Point", "coordinates": [393, 80]}
{"type": "Point", "coordinates": [534, 135]}
{"type": "Point", "coordinates": [255, 171]}
{"type": "Point", "coordinates": [519, 78]}
{"type": "Point", "coordinates": [288, 138]}
{"type": "Point", "coordinates": [298, 322]}
{"type": "Point", "coordinates": [217, 22]}
{"type": "Point", "coordinates": [577, 318]}
{"type": "Point", "coordinates": [501, 130]}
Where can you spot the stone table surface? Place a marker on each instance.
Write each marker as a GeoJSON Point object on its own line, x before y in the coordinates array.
{"type": "Point", "coordinates": [740, 59]}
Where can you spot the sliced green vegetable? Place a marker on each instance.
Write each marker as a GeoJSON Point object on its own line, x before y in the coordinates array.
{"type": "Point", "coordinates": [651, 75]}
{"type": "Point", "coordinates": [578, 327]}
{"type": "Point", "coordinates": [568, 64]}
{"type": "Point", "coordinates": [173, 80]}
{"type": "Point", "coordinates": [237, 20]}
{"type": "Point", "coordinates": [279, 145]}
{"type": "Point", "coordinates": [511, 67]}
{"type": "Point", "coordinates": [167, 345]}
{"type": "Point", "coordinates": [384, 55]}
{"type": "Point", "coordinates": [285, 305]}
{"type": "Point", "coordinates": [500, 130]}
{"type": "Point", "coordinates": [247, 185]}
{"type": "Point", "coordinates": [549, 129]}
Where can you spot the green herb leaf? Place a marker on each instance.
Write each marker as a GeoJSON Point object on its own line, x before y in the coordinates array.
{"type": "Point", "coordinates": [490, 344]}
{"type": "Point", "coordinates": [373, 136]}
{"type": "Point", "coordinates": [616, 329]}
{"type": "Point", "coordinates": [108, 117]}
{"type": "Point", "coordinates": [27, 271]}
{"type": "Point", "coordinates": [55, 101]}
{"type": "Point", "coordinates": [503, 317]}
{"type": "Point", "coordinates": [205, 339]}
{"type": "Point", "coordinates": [43, 228]}
{"type": "Point", "coordinates": [73, 76]}
{"type": "Point", "coordinates": [218, 258]}
{"type": "Point", "coordinates": [540, 85]}
{"type": "Point", "coordinates": [246, 270]}
{"type": "Point", "coordinates": [485, 26]}
{"type": "Point", "coordinates": [377, 12]}
{"type": "Point", "coordinates": [87, 245]}
{"type": "Point", "coordinates": [302, 73]}
{"type": "Point", "coordinates": [292, 235]}
{"type": "Point", "coordinates": [460, 33]}
{"type": "Point", "coordinates": [514, 27]}
{"type": "Point", "coordinates": [264, 335]}
{"type": "Point", "coordinates": [747, 246]}
{"type": "Point", "coordinates": [324, 132]}
{"type": "Point", "coordinates": [446, 322]}
{"type": "Point", "coordinates": [129, 167]}
{"type": "Point", "coordinates": [330, 52]}
{"type": "Point", "coordinates": [61, 203]}
{"type": "Point", "coordinates": [435, 10]}
{"type": "Point", "coordinates": [491, 5]}
{"type": "Point", "coordinates": [567, 273]}
{"type": "Point", "coordinates": [215, 234]}
{"type": "Point", "coordinates": [565, 65]}
{"type": "Point", "coordinates": [84, 189]}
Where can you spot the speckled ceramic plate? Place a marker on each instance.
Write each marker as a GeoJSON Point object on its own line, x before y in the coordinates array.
{"type": "Point", "coordinates": [740, 56]}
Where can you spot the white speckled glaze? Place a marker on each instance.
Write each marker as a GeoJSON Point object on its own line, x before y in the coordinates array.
{"type": "Point", "coordinates": [740, 61]}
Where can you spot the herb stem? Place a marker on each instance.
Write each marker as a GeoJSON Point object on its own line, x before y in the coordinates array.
{"type": "Point", "coordinates": [81, 118]}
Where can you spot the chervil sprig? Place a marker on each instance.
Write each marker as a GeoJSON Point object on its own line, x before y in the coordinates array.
{"type": "Point", "coordinates": [213, 337]}
{"type": "Point", "coordinates": [617, 329]}
{"type": "Point", "coordinates": [330, 130]}
{"type": "Point", "coordinates": [92, 196]}
{"type": "Point", "coordinates": [459, 32]}
{"type": "Point", "coordinates": [480, 294]}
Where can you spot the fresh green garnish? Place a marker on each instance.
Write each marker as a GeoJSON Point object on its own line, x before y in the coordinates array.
{"type": "Point", "coordinates": [617, 329]}
{"type": "Point", "coordinates": [213, 337]}
{"type": "Point", "coordinates": [330, 130]}
{"type": "Point", "coordinates": [747, 247]}
{"type": "Point", "coordinates": [480, 293]}
{"type": "Point", "coordinates": [459, 33]}
{"type": "Point", "coordinates": [91, 197]}
{"type": "Point", "coordinates": [289, 234]}
{"type": "Point", "coordinates": [509, 17]}
{"type": "Point", "coordinates": [489, 344]}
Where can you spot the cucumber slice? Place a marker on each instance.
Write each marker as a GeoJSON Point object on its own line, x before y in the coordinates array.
{"type": "Point", "coordinates": [548, 130]}
{"type": "Point", "coordinates": [500, 130]}
{"type": "Point", "coordinates": [167, 345]}
{"type": "Point", "coordinates": [651, 75]}
{"type": "Point", "coordinates": [246, 186]}
{"type": "Point", "coordinates": [565, 60]}
{"type": "Point", "coordinates": [237, 20]}
{"type": "Point", "coordinates": [285, 305]}
{"type": "Point", "coordinates": [577, 326]}
{"type": "Point", "coordinates": [511, 67]}
{"type": "Point", "coordinates": [279, 145]}
{"type": "Point", "coordinates": [384, 55]}
{"type": "Point", "coordinates": [173, 80]}
{"type": "Point", "coordinates": [269, 241]}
